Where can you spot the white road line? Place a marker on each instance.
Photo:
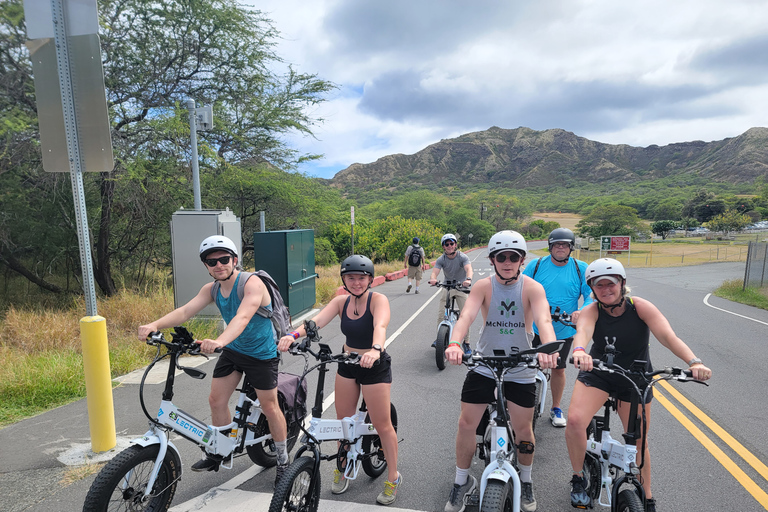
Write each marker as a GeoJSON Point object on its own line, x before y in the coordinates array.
{"type": "Point", "coordinates": [706, 298]}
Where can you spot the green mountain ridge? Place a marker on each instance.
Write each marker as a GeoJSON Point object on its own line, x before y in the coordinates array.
{"type": "Point", "coordinates": [525, 158]}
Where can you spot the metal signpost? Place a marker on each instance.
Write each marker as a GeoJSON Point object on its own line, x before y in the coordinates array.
{"type": "Point", "coordinates": [615, 245]}
{"type": "Point", "coordinates": [75, 136]}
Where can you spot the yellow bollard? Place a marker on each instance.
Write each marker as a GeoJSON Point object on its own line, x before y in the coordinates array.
{"type": "Point", "coordinates": [98, 383]}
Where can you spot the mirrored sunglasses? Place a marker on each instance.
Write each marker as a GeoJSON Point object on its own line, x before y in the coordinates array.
{"type": "Point", "coordinates": [514, 257]}
{"type": "Point", "coordinates": [211, 262]}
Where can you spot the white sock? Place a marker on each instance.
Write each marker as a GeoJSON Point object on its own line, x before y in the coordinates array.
{"type": "Point", "coordinates": [525, 473]}
{"type": "Point", "coordinates": [462, 475]}
{"type": "Point", "coordinates": [282, 452]}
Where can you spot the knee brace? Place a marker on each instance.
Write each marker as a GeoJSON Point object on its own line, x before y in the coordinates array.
{"type": "Point", "coordinates": [525, 447]}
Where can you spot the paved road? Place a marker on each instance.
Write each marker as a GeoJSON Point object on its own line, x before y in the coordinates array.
{"type": "Point", "coordinates": [35, 452]}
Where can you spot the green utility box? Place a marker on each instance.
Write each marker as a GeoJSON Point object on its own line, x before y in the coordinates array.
{"type": "Point", "coordinates": [289, 257]}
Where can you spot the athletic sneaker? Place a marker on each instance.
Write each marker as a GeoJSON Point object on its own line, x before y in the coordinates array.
{"type": "Point", "coordinates": [527, 499]}
{"type": "Point", "coordinates": [579, 496]}
{"type": "Point", "coordinates": [416, 291]}
{"type": "Point", "coordinates": [650, 505]}
{"type": "Point", "coordinates": [340, 483]}
{"type": "Point", "coordinates": [388, 495]}
{"type": "Point", "coordinates": [458, 492]}
{"type": "Point", "coordinates": [408, 289]}
{"type": "Point", "coordinates": [466, 348]}
{"type": "Point", "coordinates": [556, 417]}
{"type": "Point", "coordinates": [206, 464]}
{"type": "Point", "coordinates": [279, 472]}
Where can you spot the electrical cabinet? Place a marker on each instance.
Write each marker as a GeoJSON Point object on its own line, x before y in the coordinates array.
{"type": "Point", "coordinates": [188, 229]}
{"type": "Point", "coordinates": [289, 257]}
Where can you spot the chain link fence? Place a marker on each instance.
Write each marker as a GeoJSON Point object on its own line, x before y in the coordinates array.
{"type": "Point", "coordinates": [756, 274]}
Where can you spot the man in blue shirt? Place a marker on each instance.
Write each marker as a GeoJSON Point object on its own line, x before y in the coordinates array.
{"type": "Point", "coordinates": [564, 283]}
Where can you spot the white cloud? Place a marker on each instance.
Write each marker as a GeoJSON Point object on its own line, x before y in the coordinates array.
{"type": "Point", "coordinates": [412, 73]}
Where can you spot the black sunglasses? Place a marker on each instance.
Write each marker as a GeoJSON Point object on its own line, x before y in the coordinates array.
{"type": "Point", "coordinates": [513, 257]}
{"type": "Point", "coordinates": [449, 243]}
{"type": "Point", "coordinates": [211, 262]}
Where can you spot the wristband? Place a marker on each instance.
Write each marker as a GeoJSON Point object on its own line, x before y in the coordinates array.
{"type": "Point", "coordinates": [295, 334]}
{"type": "Point", "coordinates": [579, 348]}
{"type": "Point", "coordinates": [454, 343]}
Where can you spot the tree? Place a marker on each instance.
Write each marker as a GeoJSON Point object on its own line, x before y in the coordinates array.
{"type": "Point", "coordinates": [663, 227]}
{"type": "Point", "coordinates": [612, 219]}
{"type": "Point", "coordinates": [464, 221]}
{"type": "Point", "coordinates": [155, 56]}
{"type": "Point", "coordinates": [728, 222]}
{"type": "Point", "coordinates": [704, 206]}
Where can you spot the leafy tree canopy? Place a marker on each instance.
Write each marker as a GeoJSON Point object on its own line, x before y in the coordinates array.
{"type": "Point", "coordinates": [608, 220]}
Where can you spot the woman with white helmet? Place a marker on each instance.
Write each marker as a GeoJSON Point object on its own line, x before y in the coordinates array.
{"type": "Point", "coordinates": [629, 321]}
{"type": "Point", "coordinates": [505, 298]}
{"type": "Point", "coordinates": [248, 342]}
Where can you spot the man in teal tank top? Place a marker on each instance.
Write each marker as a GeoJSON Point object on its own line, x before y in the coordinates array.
{"type": "Point", "coordinates": [248, 342]}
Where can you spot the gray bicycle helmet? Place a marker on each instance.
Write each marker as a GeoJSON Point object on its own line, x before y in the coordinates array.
{"type": "Point", "coordinates": [561, 235]}
{"type": "Point", "coordinates": [357, 264]}
{"type": "Point", "coordinates": [217, 243]}
{"type": "Point", "coordinates": [507, 240]}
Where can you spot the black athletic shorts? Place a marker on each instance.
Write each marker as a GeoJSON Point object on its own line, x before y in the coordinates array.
{"type": "Point", "coordinates": [561, 363]}
{"type": "Point", "coordinates": [479, 389]}
{"type": "Point", "coordinates": [262, 373]}
{"type": "Point", "coordinates": [613, 383]}
{"type": "Point", "coordinates": [380, 373]}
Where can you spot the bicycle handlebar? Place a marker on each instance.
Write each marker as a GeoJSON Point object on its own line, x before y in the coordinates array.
{"type": "Point", "coordinates": [453, 285]}
{"type": "Point", "coordinates": [562, 317]}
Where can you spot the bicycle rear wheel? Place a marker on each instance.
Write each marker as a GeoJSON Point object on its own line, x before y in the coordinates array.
{"type": "Point", "coordinates": [264, 453]}
{"type": "Point", "coordinates": [375, 464]}
{"type": "Point", "coordinates": [120, 485]}
{"type": "Point", "coordinates": [292, 492]}
{"type": "Point", "coordinates": [629, 501]}
{"type": "Point", "coordinates": [440, 345]}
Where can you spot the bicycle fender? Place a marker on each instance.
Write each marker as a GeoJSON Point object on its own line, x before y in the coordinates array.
{"type": "Point", "coordinates": [150, 438]}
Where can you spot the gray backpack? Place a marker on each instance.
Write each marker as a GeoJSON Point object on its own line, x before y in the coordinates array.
{"type": "Point", "coordinates": [280, 316]}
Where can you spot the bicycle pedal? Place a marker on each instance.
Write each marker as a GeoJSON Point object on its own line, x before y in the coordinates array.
{"type": "Point", "coordinates": [472, 500]}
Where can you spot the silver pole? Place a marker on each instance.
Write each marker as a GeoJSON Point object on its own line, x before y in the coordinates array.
{"type": "Point", "coordinates": [193, 139]}
{"type": "Point", "coordinates": [262, 224]}
{"type": "Point", "coordinates": [73, 150]}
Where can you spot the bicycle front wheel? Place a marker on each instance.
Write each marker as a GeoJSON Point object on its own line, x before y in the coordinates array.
{"type": "Point", "coordinates": [441, 344]}
{"type": "Point", "coordinates": [629, 501]}
{"type": "Point", "coordinates": [497, 497]}
{"type": "Point", "coordinates": [375, 463]}
{"type": "Point", "coordinates": [293, 490]}
{"type": "Point", "coordinates": [120, 485]}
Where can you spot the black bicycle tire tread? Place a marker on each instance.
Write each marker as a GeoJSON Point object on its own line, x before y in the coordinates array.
{"type": "Point", "coordinates": [285, 485]}
{"type": "Point", "coordinates": [101, 489]}
{"type": "Point", "coordinates": [440, 345]}
{"type": "Point", "coordinates": [496, 493]}
{"type": "Point", "coordinates": [629, 501]}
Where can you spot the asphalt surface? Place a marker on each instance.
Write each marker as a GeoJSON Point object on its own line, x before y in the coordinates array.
{"type": "Point", "coordinates": [43, 458]}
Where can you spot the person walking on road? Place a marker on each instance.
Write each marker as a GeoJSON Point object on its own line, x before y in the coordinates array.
{"type": "Point", "coordinates": [456, 267]}
{"type": "Point", "coordinates": [504, 299]}
{"type": "Point", "coordinates": [629, 321]}
{"type": "Point", "coordinates": [249, 343]}
{"type": "Point", "coordinates": [364, 319]}
{"type": "Point", "coordinates": [415, 258]}
{"type": "Point", "coordinates": [563, 280]}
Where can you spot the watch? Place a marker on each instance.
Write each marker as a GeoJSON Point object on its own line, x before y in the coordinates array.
{"type": "Point", "coordinates": [378, 347]}
{"type": "Point", "coordinates": [693, 361]}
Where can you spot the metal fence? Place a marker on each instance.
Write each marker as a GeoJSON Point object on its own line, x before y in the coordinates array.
{"type": "Point", "coordinates": [756, 274]}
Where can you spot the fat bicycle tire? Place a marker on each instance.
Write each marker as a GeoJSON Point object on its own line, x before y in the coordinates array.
{"type": "Point", "coordinates": [375, 464]}
{"type": "Point", "coordinates": [133, 467]}
{"type": "Point", "coordinates": [497, 497]}
{"type": "Point", "coordinates": [629, 501]}
{"type": "Point", "coordinates": [264, 453]}
{"type": "Point", "coordinates": [292, 491]}
{"type": "Point", "coordinates": [440, 345]}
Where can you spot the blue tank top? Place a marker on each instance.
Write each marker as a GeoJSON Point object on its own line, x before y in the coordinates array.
{"type": "Point", "coordinates": [505, 328]}
{"type": "Point", "coordinates": [359, 332]}
{"type": "Point", "coordinates": [258, 339]}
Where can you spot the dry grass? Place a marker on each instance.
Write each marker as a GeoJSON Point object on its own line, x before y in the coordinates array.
{"type": "Point", "coordinates": [328, 280]}
{"type": "Point", "coordinates": [77, 473]}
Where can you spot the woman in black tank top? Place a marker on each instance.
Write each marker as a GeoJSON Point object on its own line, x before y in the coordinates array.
{"type": "Point", "coordinates": [629, 321]}
{"type": "Point", "coordinates": [364, 317]}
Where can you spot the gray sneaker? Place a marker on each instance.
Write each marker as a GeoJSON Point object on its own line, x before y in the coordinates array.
{"type": "Point", "coordinates": [527, 499]}
{"type": "Point", "coordinates": [456, 497]}
{"type": "Point", "coordinates": [408, 289]}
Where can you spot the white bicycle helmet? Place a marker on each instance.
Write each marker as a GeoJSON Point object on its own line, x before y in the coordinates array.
{"type": "Point", "coordinates": [507, 240]}
{"type": "Point", "coordinates": [217, 243]}
{"type": "Point", "coordinates": [605, 267]}
{"type": "Point", "coordinates": [448, 236]}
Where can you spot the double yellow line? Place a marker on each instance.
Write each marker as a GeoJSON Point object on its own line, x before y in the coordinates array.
{"type": "Point", "coordinates": [749, 484]}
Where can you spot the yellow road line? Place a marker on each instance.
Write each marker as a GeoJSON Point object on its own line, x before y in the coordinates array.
{"type": "Point", "coordinates": [740, 476]}
{"type": "Point", "coordinates": [736, 446]}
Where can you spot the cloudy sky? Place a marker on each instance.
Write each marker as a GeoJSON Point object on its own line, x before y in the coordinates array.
{"type": "Point", "coordinates": [412, 72]}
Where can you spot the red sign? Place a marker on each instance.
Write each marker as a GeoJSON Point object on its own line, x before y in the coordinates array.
{"type": "Point", "coordinates": [620, 243]}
